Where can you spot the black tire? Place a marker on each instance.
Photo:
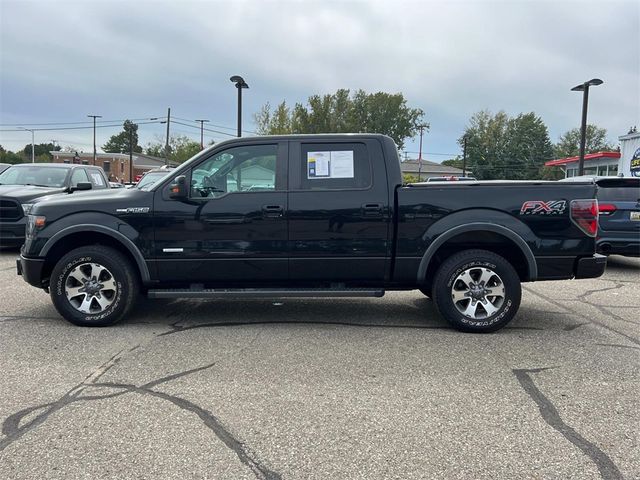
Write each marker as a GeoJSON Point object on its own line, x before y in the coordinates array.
{"type": "Point", "coordinates": [502, 294]}
{"type": "Point", "coordinates": [102, 306]}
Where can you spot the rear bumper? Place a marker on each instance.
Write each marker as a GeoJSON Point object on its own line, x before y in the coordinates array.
{"type": "Point", "coordinates": [619, 243]}
{"type": "Point", "coordinates": [590, 267]}
{"type": "Point", "coordinates": [31, 270]}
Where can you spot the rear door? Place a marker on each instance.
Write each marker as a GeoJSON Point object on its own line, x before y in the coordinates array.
{"type": "Point", "coordinates": [339, 215]}
{"type": "Point", "coordinates": [619, 205]}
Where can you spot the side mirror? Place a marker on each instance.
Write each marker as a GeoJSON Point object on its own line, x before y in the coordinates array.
{"type": "Point", "coordinates": [81, 186]}
{"type": "Point", "coordinates": [179, 190]}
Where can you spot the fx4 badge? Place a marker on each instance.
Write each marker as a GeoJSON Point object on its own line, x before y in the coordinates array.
{"type": "Point", "coordinates": [538, 207]}
{"type": "Point", "coordinates": [133, 210]}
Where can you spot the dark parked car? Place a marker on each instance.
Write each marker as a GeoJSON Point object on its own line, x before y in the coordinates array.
{"type": "Point", "coordinates": [331, 218]}
{"type": "Point", "coordinates": [24, 184]}
{"type": "Point", "coordinates": [619, 208]}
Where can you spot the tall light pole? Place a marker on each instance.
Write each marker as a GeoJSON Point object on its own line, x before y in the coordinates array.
{"type": "Point", "coordinates": [202, 122]}
{"type": "Point", "coordinates": [33, 146]}
{"type": "Point", "coordinates": [240, 84]}
{"type": "Point", "coordinates": [421, 127]}
{"type": "Point", "coordinates": [94, 135]}
{"type": "Point", "coordinates": [584, 87]}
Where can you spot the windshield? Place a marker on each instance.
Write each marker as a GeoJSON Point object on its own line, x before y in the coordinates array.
{"type": "Point", "coordinates": [150, 179]}
{"type": "Point", "coordinates": [34, 175]}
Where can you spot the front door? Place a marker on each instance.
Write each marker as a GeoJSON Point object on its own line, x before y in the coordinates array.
{"type": "Point", "coordinates": [232, 230]}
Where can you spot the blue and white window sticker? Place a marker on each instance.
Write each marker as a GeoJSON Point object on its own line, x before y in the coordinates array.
{"type": "Point", "coordinates": [336, 164]}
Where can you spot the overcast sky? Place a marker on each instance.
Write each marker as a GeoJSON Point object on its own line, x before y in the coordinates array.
{"type": "Point", "coordinates": [60, 61]}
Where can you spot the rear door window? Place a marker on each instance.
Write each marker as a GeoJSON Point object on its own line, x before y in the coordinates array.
{"type": "Point", "coordinates": [335, 166]}
{"type": "Point", "coordinates": [96, 178]}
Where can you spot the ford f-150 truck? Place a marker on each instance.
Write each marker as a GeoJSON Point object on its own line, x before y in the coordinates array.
{"type": "Point", "coordinates": [305, 216]}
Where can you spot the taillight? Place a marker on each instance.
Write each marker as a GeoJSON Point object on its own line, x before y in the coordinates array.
{"type": "Point", "coordinates": [606, 208]}
{"type": "Point", "coordinates": [584, 213]}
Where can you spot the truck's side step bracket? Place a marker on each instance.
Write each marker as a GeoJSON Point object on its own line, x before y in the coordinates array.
{"type": "Point", "coordinates": [264, 293]}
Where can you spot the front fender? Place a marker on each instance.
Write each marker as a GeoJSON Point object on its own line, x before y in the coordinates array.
{"type": "Point", "coordinates": [123, 233]}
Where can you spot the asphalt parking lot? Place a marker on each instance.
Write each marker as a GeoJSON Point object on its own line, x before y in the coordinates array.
{"type": "Point", "coordinates": [324, 388]}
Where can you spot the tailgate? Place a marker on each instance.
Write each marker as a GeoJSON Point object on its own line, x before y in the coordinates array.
{"type": "Point", "coordinates": [619, 205]}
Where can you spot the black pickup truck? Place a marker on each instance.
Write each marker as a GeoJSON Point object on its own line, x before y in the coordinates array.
{"type": "Point", "coordinates": [310, 216]}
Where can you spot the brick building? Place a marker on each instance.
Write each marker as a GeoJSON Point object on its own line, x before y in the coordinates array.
{"type": "Point", "coordinates": [115, 165]}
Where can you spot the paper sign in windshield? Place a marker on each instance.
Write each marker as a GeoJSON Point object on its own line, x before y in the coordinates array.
{"type": "Point", "coordinates": [336, 164]}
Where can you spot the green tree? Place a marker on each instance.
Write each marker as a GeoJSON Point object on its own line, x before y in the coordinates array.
{"type": "Point", "coordinates": [181, 148]}
{"type": "Point", "coordinates": [596, 141]}
{"type": "Point", "coordinates": [454, 162]}
{"type": "Point", "coordinates": [119, 143]}
{"type": "Point", "coordinates": [342, 112]}
{"type": "Point", "coordinates": [7, 156]}
{"type": "Point", "coordinates": [501, 147]}
{"type": "Point", "coordinates": [41, 151]}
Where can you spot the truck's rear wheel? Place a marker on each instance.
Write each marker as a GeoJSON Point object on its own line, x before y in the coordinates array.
{"type": "Point", "coordinates": [477, 291]}
{"type": "Point", "coordinates": [93, 286]}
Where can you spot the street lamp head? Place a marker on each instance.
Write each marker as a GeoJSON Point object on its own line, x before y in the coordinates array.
{"type": "Point", "coordinates": [239, 81]}
{"type": "Point", "coordinates": [594, 82]}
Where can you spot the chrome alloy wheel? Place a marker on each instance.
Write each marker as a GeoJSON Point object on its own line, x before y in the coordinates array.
{"type": "Point", "coordinates": [90, 288]}
{"type": "Point", "coordinates": [478, 292]}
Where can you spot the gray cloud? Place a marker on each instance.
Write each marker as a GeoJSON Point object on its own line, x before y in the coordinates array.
{"type": "Point", "coordinates": [61, 60]}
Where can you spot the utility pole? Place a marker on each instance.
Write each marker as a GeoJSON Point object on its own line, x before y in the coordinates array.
{"type": "Point", "coordinates": [94, 135]}
{"type": "Point", "coordinates": [464, 156]}
{"type": "Point", "coordinates": [166, 146]}
{"type": "Point", "coordinates": [421, 127]}
{"type": "Point", "coordinates": [131, 154]}
{"type": "Point", "coordinates": [202, 122]}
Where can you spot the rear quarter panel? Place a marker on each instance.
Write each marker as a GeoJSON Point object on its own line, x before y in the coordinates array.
{"type": "Point", "coordinates": [427, 211]}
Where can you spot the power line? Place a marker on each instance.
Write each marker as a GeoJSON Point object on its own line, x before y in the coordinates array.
{"type": "Point", "coordinates": [206, 129]}
{"type": "Point", "coordinates": [78, 123]}
{"type": "Point", "coordinates": [77, 128]}
{"type": "Point", "coordinates": [218, 126]}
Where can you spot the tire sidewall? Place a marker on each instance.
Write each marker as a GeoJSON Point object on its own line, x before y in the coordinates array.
{"type": "Point", "coordinates": [59, 277]}
{"type": "Point", "coordinates": [446, 278]}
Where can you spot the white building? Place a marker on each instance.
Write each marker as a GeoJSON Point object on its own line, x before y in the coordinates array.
{"type": "Point", "coordinates": [630, 154]}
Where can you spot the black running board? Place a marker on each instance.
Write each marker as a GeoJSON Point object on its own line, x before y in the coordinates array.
{"type": "Point", "coordinates": [265, 293]}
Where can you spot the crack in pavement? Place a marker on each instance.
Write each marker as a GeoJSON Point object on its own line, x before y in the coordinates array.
{"type": "Point", "coordinates": [210, 421]}
{"type": "Point", "coordinates": [591, 319]}
{"type": "Point", "coordinates": [13, 431]}
{"type": "Point", "coordinates": [11, 426]}
{"type": "Point", "coordinates": [550, 415]}
{"type": "Point", "coordinates": [617, 345]}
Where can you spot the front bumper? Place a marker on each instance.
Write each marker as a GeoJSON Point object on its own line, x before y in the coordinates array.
{"type": "Point", "coordinates": [590, 267]}
{"type": "Point", "coordinates": [31, 270]}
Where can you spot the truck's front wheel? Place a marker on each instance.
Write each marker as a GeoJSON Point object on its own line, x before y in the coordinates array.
{"type": "Point", "coordinates": [93, 286]}
{"type": "Point", "coordinates": [477, 291]}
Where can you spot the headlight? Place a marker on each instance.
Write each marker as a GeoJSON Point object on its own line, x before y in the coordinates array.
{"type": "Point", "coordinates": [26, 208]}
{"type": "Point", "coordinates": [35, 223]}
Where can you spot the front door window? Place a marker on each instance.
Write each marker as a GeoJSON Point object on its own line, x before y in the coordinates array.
{"type": "Point", "coordinates": [240, 169]}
